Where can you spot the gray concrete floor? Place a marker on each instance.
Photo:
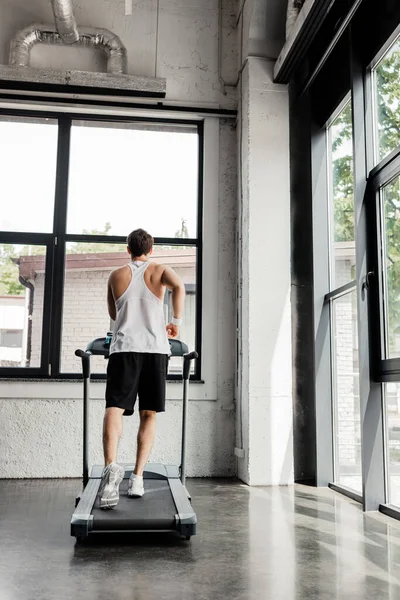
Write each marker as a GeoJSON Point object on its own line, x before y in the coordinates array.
{"type": "Point", "coordinates": [252, 543]}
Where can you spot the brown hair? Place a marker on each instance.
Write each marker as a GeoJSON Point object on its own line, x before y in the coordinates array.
{"type": "Point", "coordinates": [140, 242]}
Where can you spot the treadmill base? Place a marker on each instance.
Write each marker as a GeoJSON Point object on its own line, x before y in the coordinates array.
{"type": "Point", "coordinates": [165, 507]}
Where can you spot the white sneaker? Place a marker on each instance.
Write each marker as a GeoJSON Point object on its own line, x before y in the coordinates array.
{"type": "Point", "coordinates": [108, 494]}
{"type": "Point", "coordinates": [135, 487]}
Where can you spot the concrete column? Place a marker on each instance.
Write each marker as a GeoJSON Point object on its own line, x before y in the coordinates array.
{"type": "Point", "coordinates": [265, 382]}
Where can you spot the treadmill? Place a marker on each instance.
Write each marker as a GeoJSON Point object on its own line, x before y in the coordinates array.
{"type": "Point", "coordinates": [166, 504]}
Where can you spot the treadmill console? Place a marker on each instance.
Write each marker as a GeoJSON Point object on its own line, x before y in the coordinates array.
{"type": "Point", "coordinates": [101, 346]}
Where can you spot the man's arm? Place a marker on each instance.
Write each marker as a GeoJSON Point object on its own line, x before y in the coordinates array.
{"type": "Point", "coordinates": [175, 284]}
{"type": "Point", "coordinates": [112, 311]}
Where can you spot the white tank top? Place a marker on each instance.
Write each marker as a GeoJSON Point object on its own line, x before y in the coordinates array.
{"type": "Point", "coordinates": [139, 324]}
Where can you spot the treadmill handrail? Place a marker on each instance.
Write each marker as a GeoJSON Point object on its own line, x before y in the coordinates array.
{"type": "Point", "coordinates": [85, 357]}
{"type": "Point", "coordinates": [187, 358]}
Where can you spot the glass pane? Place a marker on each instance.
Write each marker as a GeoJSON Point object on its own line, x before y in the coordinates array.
{"type": "Point", "coordinates": [346, 386]}
{"type": "Point", "coordinates": [183, 261]}
{"type": "Point", "coordinates": [387, 93]}
{"type": "Point", "coordinates": [127, 176]}
{"type": "Point", "coordinates": [392, 395]}
{"type": "Point", "coordinates": [28, 154]}
{"type": "Point", "coordinates": [22, 277]}
{"type": "Point", "coordinates": [85, 314]}
{"type": "Point", "coordinates": [341, 168]}
{"type": "Point", "coordinates": [391, 264]}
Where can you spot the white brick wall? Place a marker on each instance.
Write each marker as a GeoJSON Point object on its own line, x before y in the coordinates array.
{"type": "Point", "coordinates": [85, 317]}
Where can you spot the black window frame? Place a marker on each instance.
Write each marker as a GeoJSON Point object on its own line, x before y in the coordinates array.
{"type": "Point", "coordinates": [56, 241]}
{"type": "Point", "coordinates": [343, 61]}
{"type": "Point", "coordinates": [384, 370]}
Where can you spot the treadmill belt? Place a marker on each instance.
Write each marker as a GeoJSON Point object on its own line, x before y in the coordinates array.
{"type": "Point", "coordinates": [155, 510]}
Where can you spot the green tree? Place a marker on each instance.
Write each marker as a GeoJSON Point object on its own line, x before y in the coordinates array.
{"type": "Point", "coordinates": [343, 181]}
{"type": "Point", "coordinates": [93, 247]}
{"type": "Point", "coordinates": [9, 270]}
{"type": "Point", "coordinates": [388, 101]}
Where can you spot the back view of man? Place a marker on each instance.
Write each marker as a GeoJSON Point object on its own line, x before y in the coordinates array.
{"type": "Point", "coordinates": [138, 358]}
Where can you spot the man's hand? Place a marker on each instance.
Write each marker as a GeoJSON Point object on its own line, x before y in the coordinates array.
{"type": "Point", "coordinates": [172, 330]}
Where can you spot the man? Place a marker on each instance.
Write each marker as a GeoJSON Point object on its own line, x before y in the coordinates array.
{"type": "Point", "coordinates": [138, 358]}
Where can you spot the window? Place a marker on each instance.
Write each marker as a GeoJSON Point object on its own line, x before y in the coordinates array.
{"type": "Point", "coordinates": [28, 153]}
{"type": "Point", "coordinates": [346, 400]}
{"type": "Point", "coordinates": [384, 199]}
{"type": "Point", "coordinates": [390, 200]}
{"type": "Point", "coordinates": [386, 87]}
{"type": "Point", "coordinates": [183, 260]}
{"type": "Point", "coordinates": [138, 174]}
{"type": "Point", "coordinates": [343, 303]}
{"type": "Point", "coordinates": [21, 304]}
{"type": "Point", "coordinates": [346, 232]}
{"type": "Point", "coordinates": [392, 402]}
{"type": "Point", "coordinates": [87, 267]}
{"type": "Point", "coordinates": [85, 314]}
{"type": "Point", "coordinates": [340, 169]}
{"type": "Point", "coordinates": [94, 182]}
{"type": "Point", "coordinates": [383, 202]}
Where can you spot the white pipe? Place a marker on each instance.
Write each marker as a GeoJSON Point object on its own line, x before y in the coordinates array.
{"type": "Point", "coordinates": [22, 44]}
{"type": "Point", "coordinates": [65, 20]}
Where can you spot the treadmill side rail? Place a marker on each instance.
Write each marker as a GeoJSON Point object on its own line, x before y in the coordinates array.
{"type": "Point", "coordinates": [185, 518]}
{"type": "Point", "coordinates": [82, 519]}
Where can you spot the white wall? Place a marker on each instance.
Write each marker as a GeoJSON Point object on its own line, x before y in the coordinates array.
{"type": "Point", "coordinates": [264, 418]}
{"type": "Point", "coordinates": [183, 48]}
{"type": "Point", "coordinates": [41, 422]}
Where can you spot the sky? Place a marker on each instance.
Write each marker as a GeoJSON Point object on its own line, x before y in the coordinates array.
{"type": "Point", "coordinates": [129, 178]}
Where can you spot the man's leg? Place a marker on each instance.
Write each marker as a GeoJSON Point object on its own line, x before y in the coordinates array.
{"type": "Point", "coordinates": [151, 401]}
{"type": "Point", "coordinates": [145, 439]}
{"type": "Point", "coordinates": [112, 431]}
{"type": "Point", "coordinates": [113, 474]}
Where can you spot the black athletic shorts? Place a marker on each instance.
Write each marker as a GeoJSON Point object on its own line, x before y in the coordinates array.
{"type": "Point", "coordinates": [133, 373]}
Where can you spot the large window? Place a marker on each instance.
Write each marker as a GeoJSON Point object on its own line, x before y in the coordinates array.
{"type": "Point", "coordinates": [345, 206]}
{"type": "Point", "coordinates": [386, 90]}
{"type": "Point", "coordinates": [121, 173]}
{"type": "Point", "coordinates": [22, 305]}
{"type": "Point", "coordinates": [384, 197]}
{"type": "Point", "coordinates": [390, 202]}
{"type": "Point", "coordinates": [63, 227]}
{"type": "Point", "coordinates": [28, 154]}
{"type": "Point", "coordinates": [343, 303]}
{"type": "Point", "coordinates": [340, 169]}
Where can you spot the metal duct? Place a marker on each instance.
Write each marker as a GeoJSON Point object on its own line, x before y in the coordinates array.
{"type": "Point", "coordinates": [65, 20]}
{"type": "Point", "coordinates": [292, 12]}
{"type": "Point", "coordinates": [103, 39]}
